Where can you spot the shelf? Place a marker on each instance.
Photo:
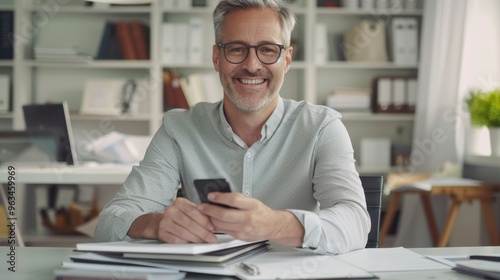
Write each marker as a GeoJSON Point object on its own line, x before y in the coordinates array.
{"type": "Point", "coordinates": [91, 10]}
{"type": "Point", "coordinates": [364, 65]}
{"type": "Point", "coordinates": [118, 64]}
{"type": "Point", "coordinates": [194, 10]}
{"type": "Point", "coordinates": [5, 116]}
{"type": "Point", "coordinates": [79, 117]}
{"type": "Point", "coordinates": [6, 7]}
{"type": "Point", "coordinates": [34, 239]}
{"type": "Point", "coordinates": [6, 63]}
{"type": "Point", "coordinates": [207, 65]}
{"type": "Point", "coordinates": [355, 116]}
{"type": "Point", "coordinates": [348, 12]}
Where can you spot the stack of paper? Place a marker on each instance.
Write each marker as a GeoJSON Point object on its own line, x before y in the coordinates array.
{"type": "Point", "coordinates": [151, 256]}
{"type": "Point", "coordinates": [350, 99]}
{"type": "Point", "coordinates": [59, 53]}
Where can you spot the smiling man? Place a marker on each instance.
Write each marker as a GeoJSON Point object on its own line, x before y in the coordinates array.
{"type": "Point", "coordinates": [289, 163]}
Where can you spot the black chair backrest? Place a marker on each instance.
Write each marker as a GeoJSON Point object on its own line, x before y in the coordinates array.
{"type": "Point", "coordinates": [373, 193]}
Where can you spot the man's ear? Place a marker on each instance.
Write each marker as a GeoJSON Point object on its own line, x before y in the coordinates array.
{"type": "Point", "coordinates": [215, 57]}
{"type": "Point", "coordinates": [288, 58]}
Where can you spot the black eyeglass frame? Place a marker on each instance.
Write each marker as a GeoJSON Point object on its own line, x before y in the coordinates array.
{"type": "Point", "coordinates": [255, 47]}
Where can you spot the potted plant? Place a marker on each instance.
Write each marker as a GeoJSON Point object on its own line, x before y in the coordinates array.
{"type": "Point", "coordinates": [484, 108]}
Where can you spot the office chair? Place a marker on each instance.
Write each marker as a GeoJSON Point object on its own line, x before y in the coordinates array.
{"type": "Point", "coordinates": [373, 193]}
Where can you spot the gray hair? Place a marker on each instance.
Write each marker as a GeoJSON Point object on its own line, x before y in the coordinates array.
{"type": "Point", "coordinates": [287, 18]}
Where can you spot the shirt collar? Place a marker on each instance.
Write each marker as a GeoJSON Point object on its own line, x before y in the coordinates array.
{"type": "Point", "coordinates": [268, 129]}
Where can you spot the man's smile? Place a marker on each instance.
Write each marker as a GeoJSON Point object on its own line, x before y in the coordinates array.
{"type": "Point", "coordinates": [255, 81]}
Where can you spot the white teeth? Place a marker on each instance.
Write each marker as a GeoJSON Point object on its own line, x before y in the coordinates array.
{"type": "Point", "coordinates": [252, 81]}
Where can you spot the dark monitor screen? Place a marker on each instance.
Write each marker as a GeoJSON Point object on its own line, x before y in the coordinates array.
{"type": "Point", "coordinates": [53, 118]}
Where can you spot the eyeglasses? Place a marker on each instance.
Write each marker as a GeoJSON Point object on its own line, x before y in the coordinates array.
{"type": "Point", "coordinates": [238, 52]}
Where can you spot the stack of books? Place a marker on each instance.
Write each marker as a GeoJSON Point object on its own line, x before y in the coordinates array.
{"type": "Point", "coordinates": [143, 259]}
{"type": "Point", "coordinates": [350, 99]}
{"type": "Point", "coordinates": [49, 53]}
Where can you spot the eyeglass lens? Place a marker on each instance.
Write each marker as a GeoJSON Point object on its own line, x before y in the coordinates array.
{"type": "Point", "coordinates": [266, 53]}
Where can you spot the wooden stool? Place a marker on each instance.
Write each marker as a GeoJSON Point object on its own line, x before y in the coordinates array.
{"type": "Point", "coordinates": [458, 194]}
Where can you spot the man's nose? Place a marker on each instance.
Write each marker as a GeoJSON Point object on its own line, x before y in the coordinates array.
{"type": "Point", "coordinates": [252, 63]}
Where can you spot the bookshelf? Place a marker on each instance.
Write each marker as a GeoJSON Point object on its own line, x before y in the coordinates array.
{"type": "Point", "coordinates": [71, 22]}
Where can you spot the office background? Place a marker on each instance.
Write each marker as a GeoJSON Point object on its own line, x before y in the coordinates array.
{"type": "Point", "coordinates": [63, 48]}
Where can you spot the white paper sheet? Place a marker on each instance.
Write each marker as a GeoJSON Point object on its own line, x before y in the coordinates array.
{"type": "Point", "coordinates": [390, 259]}
{"type": "Point", "coordinates": [299, 265]}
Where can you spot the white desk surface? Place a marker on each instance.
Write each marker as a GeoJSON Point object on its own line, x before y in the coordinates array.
{"type": "Point", "coordinates": [86, 174]}
{"type": "Point", "coordinates": [39, 263]}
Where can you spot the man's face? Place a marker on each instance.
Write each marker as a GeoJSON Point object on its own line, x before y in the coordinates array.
{"type": "Point", "coordinates": [251, 85]}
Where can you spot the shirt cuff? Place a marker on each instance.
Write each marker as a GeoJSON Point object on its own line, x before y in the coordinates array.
{"type": "Point", "coordinates": [312, 228]}
{"type": "Point", "coordinates": [123, 223]}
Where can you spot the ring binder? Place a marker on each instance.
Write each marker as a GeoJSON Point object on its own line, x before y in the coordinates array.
{"type": "Point", "coordinates": [250, 268]}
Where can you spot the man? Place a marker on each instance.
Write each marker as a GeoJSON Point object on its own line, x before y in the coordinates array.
{"type": "Point", "coordinates": [290, 164]}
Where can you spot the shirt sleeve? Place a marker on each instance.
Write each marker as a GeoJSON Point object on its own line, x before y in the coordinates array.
{"type": "Point", "coordinates": [342, 224]}
{"type": "Point", "coordinates": [150, 187]}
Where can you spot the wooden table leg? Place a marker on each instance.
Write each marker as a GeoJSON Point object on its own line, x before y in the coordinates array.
{"type": "Point", "coordinates": [429, 217]}
{"type": "Point", "coordinates": [450, 221]}
{"type": "Point", "coordinates": [489, 220]}
{"type": "Point", "coordinates": [389, 216]}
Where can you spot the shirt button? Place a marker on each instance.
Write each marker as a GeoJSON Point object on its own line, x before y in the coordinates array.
{"type": "Point", "coordinates": [249, 154]}
{"type": "Point", "coordinates": [247, 193]}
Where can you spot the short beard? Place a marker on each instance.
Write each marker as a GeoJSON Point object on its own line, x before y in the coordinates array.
{"type": "Point", "coordinates": [243, 104]}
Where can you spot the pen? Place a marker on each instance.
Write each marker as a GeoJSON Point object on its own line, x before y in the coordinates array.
{"type": "Point", "coordinates": [250, 268]}
{"type": "Point", "coordinates": [485, 258]}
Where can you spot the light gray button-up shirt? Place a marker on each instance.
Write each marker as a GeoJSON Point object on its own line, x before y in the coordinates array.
{"type": "Point", "coordinates": [303, 163]}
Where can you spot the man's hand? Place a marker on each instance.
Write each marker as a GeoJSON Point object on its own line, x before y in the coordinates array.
{"type": "Point", "coordinates": [252, 220]}
{"type": "Point", "coordinates": [180, 223]}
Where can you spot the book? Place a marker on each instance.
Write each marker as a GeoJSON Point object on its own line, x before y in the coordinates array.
{"type": "Point", "coordinates": [404, 40]}
{"type": "Point", "coordinates": [155, 246]}
{"type": "Point", "coordinates": [127, 46]}
{"type": "Point", "coordinates": [76, 270]}
{"type": "Point", "coordinates": [140, 39]}
{"type": "Point", "coordinates": [212, 87]}
{"type": "Point", "coordinates": [321, 43]}
{"type": "Point", "coordinates": [109, 47]}
{"type": "Point", "coordinates": [4, 93]}
{"type": "Point", "coordinates": [196, 38]}
{"type": "Point", "coordinates": [168, 46]}
{"type": "Point", "coordinates": [173, 95]}
{"type": "Point", "coordinates": [181, 36]}
{"type": "Point", "coordinates": [218, 256]}
{"type": "Point", "coordinates": [6, 35]}
{"type": "Point", "coordinates": [116, 259]}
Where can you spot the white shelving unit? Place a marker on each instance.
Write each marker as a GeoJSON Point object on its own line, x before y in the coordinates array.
{"type": "Point", "coordinates": [73, 23]}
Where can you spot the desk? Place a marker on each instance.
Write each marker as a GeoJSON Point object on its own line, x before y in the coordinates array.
{"type": "Point", "coordinates": [105, 174]}
{"type": "Point", "coordinates": [458, 194]}
{"type": "Point", "coordinates": [39, 263]}
{"type": "Point", "coordinates": [81, 175]}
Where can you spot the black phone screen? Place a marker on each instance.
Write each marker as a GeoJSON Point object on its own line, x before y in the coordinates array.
{"type": "Point", "coordinates": [206, 186]}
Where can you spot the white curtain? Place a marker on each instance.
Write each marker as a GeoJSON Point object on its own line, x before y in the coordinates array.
{"type": "Point", "coordinates": [438, 132]}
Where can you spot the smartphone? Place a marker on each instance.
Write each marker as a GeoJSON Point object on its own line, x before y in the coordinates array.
{"type": "Point", "coordinates": [206, 186]}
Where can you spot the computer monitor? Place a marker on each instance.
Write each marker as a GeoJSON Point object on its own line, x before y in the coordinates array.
{"type": "Point", "coordinates": [54, 118]}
